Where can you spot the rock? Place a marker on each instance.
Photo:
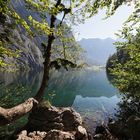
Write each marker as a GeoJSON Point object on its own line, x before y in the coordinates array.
{"type": "Point", "coordinates": [100, 129]}
{"type": "Point", "coordinates": [22, 135]}
{"type": "Point", "coordinates": [129, 129]}
{"type": "Point", "coordinates": [99, 137]}
{"type": "Point", "coordinates": [59, 135]}
{"type": "Point", "coordinates": [116, 127]}
{"type": "Point", "coordinates": [90, 136]}
{"type": "Point", "coordinates": [133, 125]}
{"type": "Point", "coordinates": [51, 123]}
{"type": "Point", "coordinates": [71, 119]}
{"type": "Point", "coordinates": [47, 118]}
{"type": "Point", "coordinates": [103, 133]}
{"type": "Point", "coordinates": [36, 135]}
{"type": "Point", "coordinates": [81, 133]}
{"type": "Point", "coordinates": [30, 54]}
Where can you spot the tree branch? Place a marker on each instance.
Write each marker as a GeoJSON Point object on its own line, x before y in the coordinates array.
{"type": "Point", "coordinates": [9, 115]}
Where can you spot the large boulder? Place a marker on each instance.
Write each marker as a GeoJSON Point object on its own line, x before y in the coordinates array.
{"type": "Point", "coordinates": [45, 118]}
{"type": "Point", "coordinates": [51, 135]}
{"type": "Point", "coordinates": [51, 123]}
{"type": "Point", "coordinates": [128, 129]}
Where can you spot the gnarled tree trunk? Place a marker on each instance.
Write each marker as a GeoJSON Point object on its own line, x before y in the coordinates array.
{"type": "Point", "coordinates": [9, 115]}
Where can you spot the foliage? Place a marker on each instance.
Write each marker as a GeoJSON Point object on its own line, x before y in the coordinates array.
{"type": "Point", "coordinates": [5, 51]}
{"type": "Point", "coordinates": [128, 74]}
{"type": "Point", "coordinates": [127, 70]}
{"type": "Point", "coordinates": [65, 46]}
{"type": "Point", "coordinates": [62, 62]}
{"type": "Point", "coordinates": [11, 94]}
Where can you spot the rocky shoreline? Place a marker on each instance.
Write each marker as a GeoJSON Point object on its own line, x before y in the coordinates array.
{"type": "Point", "coordinates": [52, 123]}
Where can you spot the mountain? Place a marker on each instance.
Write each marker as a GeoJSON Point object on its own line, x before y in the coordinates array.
{"type": "Point", "coordinates": [97, 50]}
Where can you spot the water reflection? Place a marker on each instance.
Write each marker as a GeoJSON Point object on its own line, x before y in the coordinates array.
{"type": "Point", "coordinates": [86, 83]}
{"type": "Point", "coordinates": [17, 87]}
{"type": "Point", "coordinates": [64, 86]}
{"type": "Point", "coordinates": [89, 92]}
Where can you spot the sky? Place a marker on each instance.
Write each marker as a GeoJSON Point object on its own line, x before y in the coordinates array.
{"type": "Point", "coordinates": [96, 27]}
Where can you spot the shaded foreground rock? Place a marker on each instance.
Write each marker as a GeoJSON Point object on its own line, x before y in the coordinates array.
{"type": "Point", "coordinates": [103, 133]}
{"type": "Point", "coordinates": [47, 118]}
{"type": "Point", "coordinates": [51, 123]}
{"type": "Point", "coordinates": [128, 129]}
{"type": "Point", "coordinates": [51, 135]}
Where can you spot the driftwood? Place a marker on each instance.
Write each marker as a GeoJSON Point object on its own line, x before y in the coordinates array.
{"type": "Point", "coordinates": [9, 115]}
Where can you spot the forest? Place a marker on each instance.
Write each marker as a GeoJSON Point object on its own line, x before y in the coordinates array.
{"type": "Point", "coordinates": [54, 87]}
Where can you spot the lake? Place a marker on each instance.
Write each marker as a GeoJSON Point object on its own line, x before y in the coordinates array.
{"type": "Point", "coordinates": [89, 92]}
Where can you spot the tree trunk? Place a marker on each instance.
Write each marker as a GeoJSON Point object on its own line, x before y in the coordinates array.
{"type": "Point", "coordinates": [44, 84]}
{"type": "Point", "coordinates": [41, 91]}
{"type": "Point", "coordinates": [9, 115]}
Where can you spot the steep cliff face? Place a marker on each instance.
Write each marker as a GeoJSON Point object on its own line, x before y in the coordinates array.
{"type": "Point", "coordinates": [30, 55]}
{"type": "Point", "coordinates": [17, 38]}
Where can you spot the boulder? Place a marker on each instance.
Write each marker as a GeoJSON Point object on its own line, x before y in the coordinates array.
{"type": "Point", "coordinates": [99, 137]}
{"type": "Point", "coordinates": [45, 118]}
{"type": "Point", "coordinates": [36, 135]}
{"type": "Point", "coordinates": [128, 129]}
{"type": "Point", "coordinates": [51, 123]}
{"type": "Point", "coordinates": [133, 125]}
{"type": "Point", "coordinates": [81, 133]}
{"type": "Point", "coordinates": [59, 135]}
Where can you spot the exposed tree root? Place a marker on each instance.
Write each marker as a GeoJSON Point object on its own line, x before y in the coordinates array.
{"type": "Point", "coordinates": [9, 115]}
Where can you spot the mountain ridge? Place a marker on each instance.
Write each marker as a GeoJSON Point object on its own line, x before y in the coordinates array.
{"type": "Point", "coordinates": [97, 50]}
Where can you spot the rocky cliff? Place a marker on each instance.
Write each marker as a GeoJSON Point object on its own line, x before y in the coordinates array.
{"type": "Point", "coordinates": [31, 56]}
{"type": "Point", "coordinates": [17, 38]}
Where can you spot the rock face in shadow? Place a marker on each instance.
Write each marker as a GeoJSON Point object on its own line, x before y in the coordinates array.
{"type": "Point", "coordinates": [129, 129]}
{"type": "Point", "coordinates": [30, 55]}
{"type": "Point", "coordinates": [119, 130]}
{"type": "Point", "coordinates": [51, 123]}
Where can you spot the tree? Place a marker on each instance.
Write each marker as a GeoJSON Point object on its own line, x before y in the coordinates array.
{"type": "Point", "coordinates": [126, 66]}
{"type": "Point", "coordinates": [72, 10]}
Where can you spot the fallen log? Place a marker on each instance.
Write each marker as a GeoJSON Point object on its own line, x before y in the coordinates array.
{"type": "Point", "coordinates": [9, 115]}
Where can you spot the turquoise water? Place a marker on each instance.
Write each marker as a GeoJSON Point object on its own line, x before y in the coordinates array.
{"type": "Point", "coordinates": [88, 92]}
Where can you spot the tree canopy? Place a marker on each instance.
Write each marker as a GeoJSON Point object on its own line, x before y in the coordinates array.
{"type": "Point", "coordinates": [126, 67]}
